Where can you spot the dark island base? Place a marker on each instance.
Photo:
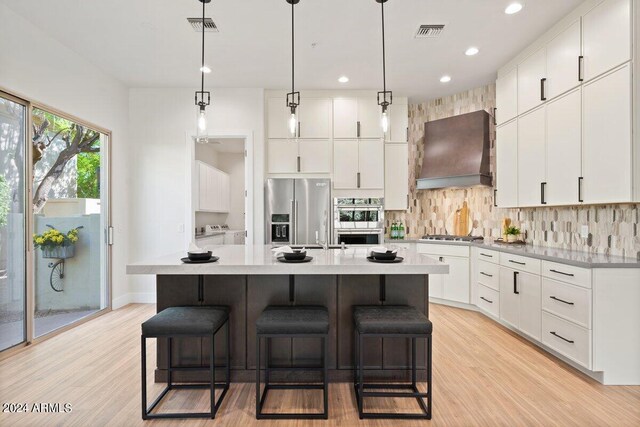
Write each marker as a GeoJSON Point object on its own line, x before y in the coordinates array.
{"type": "Point", "coordinates": [247, 296]}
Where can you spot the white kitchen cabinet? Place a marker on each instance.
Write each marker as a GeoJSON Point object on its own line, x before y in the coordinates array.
{"type": "Point", "coordinates": [369, 114]}
{"type": "Point", "coordinates": [345, 118]}
{"type": "Point", "coordinates": [315, 155]}
{"type": "Point", "coordinates": [606, 140]}
{"type": "Point", "coordinates": [530, 74]}
{"type": "Point", "coordinates": [606, 37]}
{"type": "Point", "coordinates": [563, 53]}
{"type": "Point", "coordinates": [507, 97]}
{"type": "Point", "coordinates": [212, 189]}
{"type": "Point", "coordinates": [564, 149]}
{"type": "Point", "coordinates": [506, 192]}
{"type": "Point", "coordinates": [345, 163]}
{"type": "Point", "coordinates": [396, 176]}
{"type": "Point", "coordinates": [277, 118]}
{"type": "Point", "coordinates": [399, 123]}
{"type": "Point", "coordinates": [282, 156]}
{"type": "Point", "coordinates": [358, 164]}
{"type": "Point", "coordinates": [520, 301]}
{"type": "Point", "coordinates": [299, 156]}
{"type": "Point", "coordinates": [456, 283]}
{"type": "Point", "coordinates": [371, 164]}
{"type": "Point", "coordinates": [314, 118]}
{"type": "Point", "coordinates": [531, 158]}
{"type": "Point", "coordinates": [217, 239]}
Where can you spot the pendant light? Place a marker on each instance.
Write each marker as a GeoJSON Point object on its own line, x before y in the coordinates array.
{"type": "Point", "coordinates": [293, 97]}
{"type": "Point", "coordinates": [385, 98]}
{"type": "Point", "coordinates": [202, 98]}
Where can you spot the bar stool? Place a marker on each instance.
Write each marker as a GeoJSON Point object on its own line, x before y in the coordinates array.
{"type": "Point", "coordinates": [291, 322]}
{"type": "Point", "coordinates": [199, 321]}
{"type": "Point", "coordinates": [389, 321]}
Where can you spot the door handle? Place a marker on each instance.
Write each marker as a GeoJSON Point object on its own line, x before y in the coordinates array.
{"type": "Point", "coordinates": [358, 131]}
{"type": "Point", "coordinates": [487, 255]}
{"type": "Point", "coordinates": [580, 179]}
{"type": "Point", "coordinates": [580, 67]}
{"type": "Point", "coordinates": [298, 132]}
{"type": "Point", "coordinates": [407, 201]}
{"type": "Point", "coordinates": [292, 225]}
{"type": "Point", "coordinates": [561, 272]}
{"type": "Point", "coordinates": [515, 283]}
{"type": "Point", "coordinates": [298, 163]}
{"type": "Point", "coordinates": [495, 116]}
{"type": "Point", "coordinates": [543, 186]}
{"type": "Point", "coordinates": [495, 197]}
{"type": "Point", "coordinates": [517, 262]}
{"type": "Point", "coordinates": [561, 337]}
{"type": "Point", "coordinates": [543, 96]}
{"type": "Point", "coordinates": [487, 300]}
{"type": "Point", "coordinates": [358, 179]}
{"type": "Point", "coordinates": [561, 300]}
{"type": "Point", "coordinates": [486, 274]}
{"type": "Point", "coordinates": [441, 259]}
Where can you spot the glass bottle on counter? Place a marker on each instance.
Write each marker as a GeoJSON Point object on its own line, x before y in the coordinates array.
{"type": "Point", "coordinates": [393, 231]}
{"type": "Point", "coordinates": [401, 231]}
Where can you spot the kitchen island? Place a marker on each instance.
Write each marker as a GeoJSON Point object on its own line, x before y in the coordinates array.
{"type": "Point", "coordinates": [249, 278]}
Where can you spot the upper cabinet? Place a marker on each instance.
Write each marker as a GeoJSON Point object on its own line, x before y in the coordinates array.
{"type": "Point", "coordinates": [399, 127]}
{"type": "Point", "coordinates": [358, 164]}
{"type": "Point", "coordinates": [531, 81]}
{"type": "Point", "coordinates": [212, 189]}
{"type": "Point", "coordinates": [563, 61]}
{"type": "Point", "coordinates": [356, 118]}
{"type": "Point", "coordinates": [396, 176]}
{"type": "Point", "coordinates": [507, 97]}
{"type": "Point", "coordinates": [298, 156]}
{"type": "Point", "coordinates": [606, 37]}
{"type": "Point", "coordinates": [314, 118]}
{"type": "Point", "coordinates": [506, 192]}
{"type": "Point", "coordinates": [531, 158]}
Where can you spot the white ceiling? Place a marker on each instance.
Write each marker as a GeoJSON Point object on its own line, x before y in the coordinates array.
{"type": "Point", "coordinates": [148, 43]}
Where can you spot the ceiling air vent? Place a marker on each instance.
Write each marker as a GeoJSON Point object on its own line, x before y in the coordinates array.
{"type": "Point", "coordinates": [429, 31]}
{"type": "Point", "coordinates": [209, 25]}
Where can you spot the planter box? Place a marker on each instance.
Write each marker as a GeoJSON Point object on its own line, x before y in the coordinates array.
{"type": "Point", "coordinates": [59, 252]}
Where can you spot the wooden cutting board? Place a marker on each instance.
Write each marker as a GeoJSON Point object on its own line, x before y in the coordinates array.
{"type": "Point", "coordinates": [459, 222]}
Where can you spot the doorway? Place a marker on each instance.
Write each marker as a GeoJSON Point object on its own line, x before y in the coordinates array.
{"type": "Point", "coordinates": [220, 176]}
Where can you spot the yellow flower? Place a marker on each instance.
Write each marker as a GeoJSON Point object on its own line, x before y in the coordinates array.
{"type": "Point", "coordinates": [39, 240]}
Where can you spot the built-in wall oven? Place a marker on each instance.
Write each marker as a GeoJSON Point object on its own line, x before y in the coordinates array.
{"type": "Point", "coordinates": [358, 221]}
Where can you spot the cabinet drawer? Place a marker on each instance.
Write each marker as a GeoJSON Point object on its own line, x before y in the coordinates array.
{"type": "Point", "coordinates": [489, 274]}
{"type": "Point", "coordinates": [567, 338]}
{"type": "Point", "coordinates": [567, 301]}
{"type": "Point", "coordinates": [489, 300]}
{"type": "Point", "coordinates": [489, 255]}
{"type": "Point", "coordinates": [518, 262]}
{"type": "Point", "coordinates": [567, 273]}
{"type": "Point", "coordinates": [443, 250]}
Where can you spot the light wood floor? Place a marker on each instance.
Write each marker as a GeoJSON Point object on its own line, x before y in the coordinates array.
{"type": "Point", "coordinates": [484, 375]}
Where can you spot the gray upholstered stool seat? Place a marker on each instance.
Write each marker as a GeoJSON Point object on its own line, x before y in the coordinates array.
{"type": "Point", "coordinates": [196, 321]}
{"type": "Point", "coordinates": [292, 320]}
{"type": "Point", "coordinates": [390, 319]}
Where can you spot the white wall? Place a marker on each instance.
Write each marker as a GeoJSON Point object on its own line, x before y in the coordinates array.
{"type": "Point", "coordinates": [35, 66]}
{"type": "Point", "coordinates": [159, 121]}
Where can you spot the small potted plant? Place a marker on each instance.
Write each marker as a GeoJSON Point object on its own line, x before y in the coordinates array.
{"type": "Point", "coordinates": [55, 244]}
{"type": "Point", "coordinates": [512, 234]}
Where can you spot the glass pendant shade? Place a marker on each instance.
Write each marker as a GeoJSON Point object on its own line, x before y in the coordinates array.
{"type": "Point", "coordinates": [384, 122]}
{"type": "Point", "coordinates": [292, 124]}
{"type": "Point", "coordinates": [201, 134]}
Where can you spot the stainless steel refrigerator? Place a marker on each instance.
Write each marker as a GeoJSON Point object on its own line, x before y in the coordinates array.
{"type": "Point", "coordinates": [297, 209]}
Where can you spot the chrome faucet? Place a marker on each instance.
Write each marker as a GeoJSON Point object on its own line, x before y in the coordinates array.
{"type": "Point", "coordinates": [325, 244]}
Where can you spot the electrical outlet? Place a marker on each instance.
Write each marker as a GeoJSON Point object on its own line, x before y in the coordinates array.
{"type": "Point", "coordinates": [584, 232]}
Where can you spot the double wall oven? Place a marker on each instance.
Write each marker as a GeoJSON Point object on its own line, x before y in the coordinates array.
{"type": "Point", "coordinates": [358, 221]}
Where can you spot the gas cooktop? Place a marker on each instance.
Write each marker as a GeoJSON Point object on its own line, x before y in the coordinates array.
{"type": "Point", "coordinates": [450, 238]}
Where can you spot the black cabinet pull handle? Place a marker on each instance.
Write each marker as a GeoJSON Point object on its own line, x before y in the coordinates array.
{"type": "Point", "coordinates": [561, 300]}
{"type": "Point", "coordinates": [441, 259]}
{"type": "Point", "coordinates": [543, 96]}
{"type": "Point", "coordinates": [298, 129]}
{"type": "Point", "coordinates": [487, 300]}
{"type": "Point", "coordinates": [543, 185]}
{"type": "Point", "coordinates": [561, 272]}
{"type": "Point", "coordinates": [487, 255]}
{"type": "Point", "coordinates": [298, 163]}
{"type": "Point", "coordinates": [515, 283]}
{"type": "Point", "coordinates": [486, 274]}
{"type": "Point", "coordinates": [495, 116]}
{"type": "Point", "coordinates": [358, 131]}
{"type": "Point", "coordinates": [518, 262]}
{"type": "Point", "coordinates": [561, 337]}
{"type": "Point", "coordinates": [358, 177]}
{"type": "Point", "coordinates": [580, 65]}
{"type": "Point", "coordinates": [580, 179]}
{"type": "Point", "coordinates": [495, 198]}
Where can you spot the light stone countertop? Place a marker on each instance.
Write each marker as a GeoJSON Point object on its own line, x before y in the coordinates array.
{"type": "Point", "coordinates": [259, 259]}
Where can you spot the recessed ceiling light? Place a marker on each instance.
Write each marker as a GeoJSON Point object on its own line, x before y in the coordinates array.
{"type": "Point", "coordinates": [472, 51]}
{"type": "Point", "coordinates": [445, 79]}
{"type": "Point", "coordinates": [343, 79]}
{"type": "Point", "coordinates": [205, 69]}
{"type": "Point", "coordinates": [513, 8]}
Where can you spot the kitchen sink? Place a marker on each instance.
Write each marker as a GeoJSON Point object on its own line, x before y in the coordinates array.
{"type": "Point", "coordinates": [317, 247]}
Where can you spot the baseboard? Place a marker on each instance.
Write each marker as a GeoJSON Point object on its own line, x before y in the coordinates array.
{"type": "Point", "coordinates": [453, 304]}
{"type": "Point", "coordinates": [121, 301]}
{"type": "Point", "coordinates": [143, 297]}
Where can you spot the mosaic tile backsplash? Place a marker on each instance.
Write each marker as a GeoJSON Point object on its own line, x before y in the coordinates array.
{"type": "Point", "coordinates": [613, 229]}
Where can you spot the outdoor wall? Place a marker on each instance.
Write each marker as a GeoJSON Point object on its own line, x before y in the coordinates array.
{"type": "Point", "coordinates": [81, 285]}
{"type": "Point", "coordinates": [42, 69]}
{"type": "Point", "coordinates": [160, 120]}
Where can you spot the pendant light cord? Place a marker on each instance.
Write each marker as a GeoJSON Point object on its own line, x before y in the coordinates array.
{"type": "Point", "coordinates": [384, 61]}
{"type": "Point", "coordinates": [293, 51]}
{"type": "Point", "coordinates": [202, 68]}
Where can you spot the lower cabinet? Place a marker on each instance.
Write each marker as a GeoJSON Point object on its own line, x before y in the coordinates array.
{"type": "Point", "coordinates": [520, 306]}
{"type": "Point", "coordinates": [489, 300]}
{"type": "Point", "coordinates": [455, 285]}
{"type": "Point", "coordinates": [567, 338]}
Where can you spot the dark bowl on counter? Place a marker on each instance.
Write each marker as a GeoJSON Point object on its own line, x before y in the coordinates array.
{"type": "Point", "coordinates": [199, 256]}
{"type": "Point", "coordinates": [384, 256]}
{"type": "Point", "coordinates": [296, 255]}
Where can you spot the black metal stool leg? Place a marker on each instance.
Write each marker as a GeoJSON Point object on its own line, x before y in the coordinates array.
{"type": "Point", "coordinates": [325, 375]}
{"type": "Point", "coordinates": [143, 352]}
{"type": "Point", "coordinates": [360, 377]}
{"type": "Point", "coordinates": [212, 368]}
{"type": "Point", "coordinates": [429, 386]}
{"type": "Point", "coordinates": [228, 355]}
{"type": "Point", "coordinates": [258, 405]}
{"type": "Point", "coordinates": [413, 362]}
{"type": "Point", "coordinates": [169, 366]}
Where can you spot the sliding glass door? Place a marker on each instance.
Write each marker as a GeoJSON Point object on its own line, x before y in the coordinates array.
{"type": "Point", "coordinates": [13, 149]}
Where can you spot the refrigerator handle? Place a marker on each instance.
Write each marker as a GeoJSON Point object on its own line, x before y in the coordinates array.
{"type": "Point", "coordinates": [292, 222]}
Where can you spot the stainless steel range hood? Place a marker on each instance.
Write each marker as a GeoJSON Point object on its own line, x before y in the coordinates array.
{"type": "Point", "coordinates": [456, 152]}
